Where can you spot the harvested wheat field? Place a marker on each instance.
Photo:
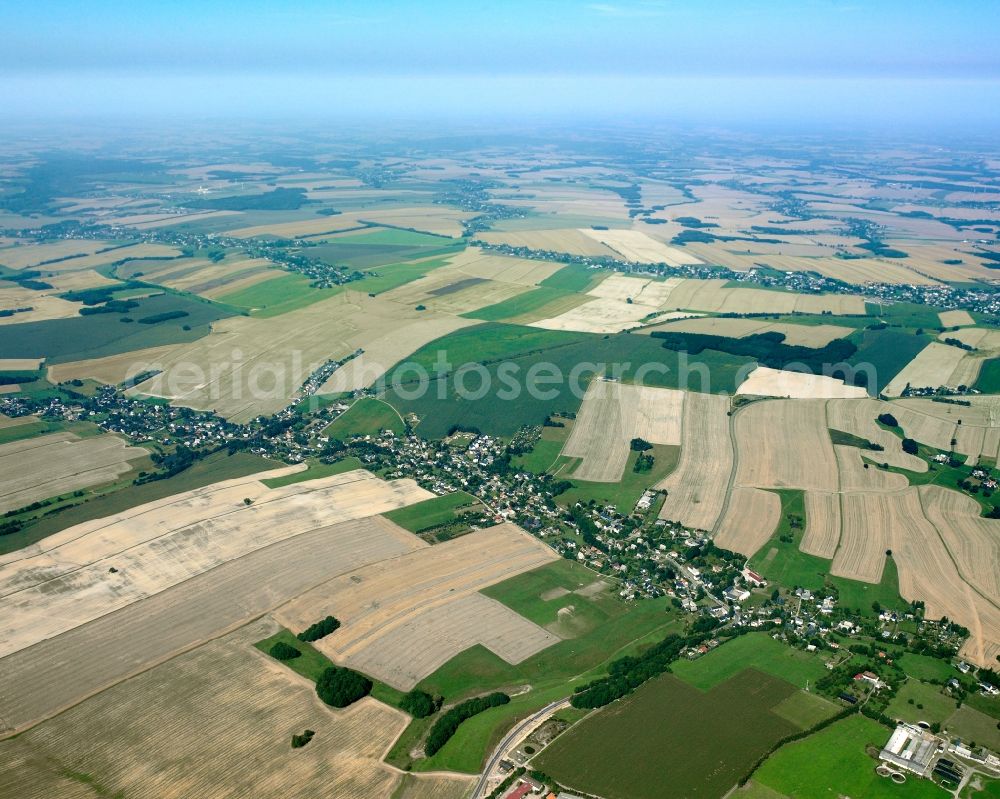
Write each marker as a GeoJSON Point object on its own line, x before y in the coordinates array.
{"type": "Point", "coordinates": [611, 415]}
{"type": "Point", "coordinates": [20, 364]}
{"type": "Point", "coordinates": [955, 318]}
{"type": "Point", "coordinates": [975, 427]}
{"type": "Point", "coordinates": [822, 535]}
{"type": "Point", "coordinates": [567, 240]}
{"type": "Point", "coordinates": [858, 474]}
{"type": "Point", "coordinates": [300, 229]}
{"type": "Point", "coordinates": [436, 786]}
{"type": "Point", "coordinates": [113, 369]}
{"type": "Point", "coordinates": [983, 410]}
{"type": "Point", "coordinates": [972, 540]}
{"type": "Point", "coordinates": [784, 444]}
{"type": "Point", "coordinates": [112, 256]}
{"type": "Point", "coordinates": [216, 722]}
{"type": "Point", "coordinates": [15, 421]}
{"type": "Point", "coordinates": [943, 578]}
{"type": "Point", "coordinates": [66, 579]}
{"type": "Point", "coordinates": [870, 523]}
{"type": "Point", "coordinates": [620, 303]}
{"type": "Point", "coordinates": [935, 365]}
{"type": "Point", "coordinates": [473, 279]}
{"type": "Point", "coordinates": [151, 221]}
{"type": "Point", "coordinates": [857, 417]}
{"type": "Point", "coordinates": [696, 488]}
{"type": "Point", "coordinates": [766, 382]}
{"type": "Point", "coordinates": [383, 352]}
{"type": "Point", "coordinates": [59, 672]}
{"type": "Point", "coordinates": [926, 428]}
{"type": "Point", "coordinates": [26, 305]}
{"type": "Point", "coordinates": [24, 256]}
{"type": "Point", "coordinates": [206, 278]}
{"type": "Point", "coordinates": [248, 367]}
{"type": "Point", "coordinates": [79, 279]}
{"type": "Point", "coordinates": [795, 335]}
{"type": "Point", "coordinates": [474, 262]}
{"type": "Point", "coordinates": [750, 520]}
{"type": "Point", "coordinates": [716, 296]}
{"type": "Point", "coordinates": [927, 569]}
{"type": "Point", "coordinates": [436, 219]}
{"type": "Point", "coordinates": [639, 247]}
{"type": "Point", "coordinates": [404, 618]}
{"type": "Point", "coordinates": [46, 466]}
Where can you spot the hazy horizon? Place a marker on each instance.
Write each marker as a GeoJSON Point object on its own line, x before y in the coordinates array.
{"type": "Point", "coordinates": [823, 62]}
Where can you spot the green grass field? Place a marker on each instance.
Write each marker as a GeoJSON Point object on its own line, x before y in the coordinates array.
{"type": "Point", "coordinates": [625, 493]}
{"type": "Point", "coordinates": [974, 726]}
{"type": "Point", "coordinates": [670, 734]}
{"type": "Point", "coordinates": [924, 667]}
{"type": "Point", "coordinates": [574, 278]}
{"type": "Point", "coordinates": [529, 302]}
{"type": "Point", "coordinates": [990, 789]}
{"type": "Point", "coordinates": [928, 704]}
{"type": "Point", "coordinates": [18, 431]}
{"type": "Point", "coordinates": [546, 450]}
{"type": "Point", "coordinates": [552, 674]}
{"type": "Point", "coordinates": [861, 596]}
{"type": "Point", "coordinates": [315, 470]}
{"type": "Point", "coordinates": [905, 314]}
{"type": "Point", "coordinates": [805, 710]}
{"type": "Point", "coordinates": [391, 276]}
{"type": "Point", "coordinates": [377, 247]}
{"type": "Point", "coordinates": [989, 377]}
{"type": "Point", "coordinates": [888, 351]}
{"type": "Point", "coordinates": [782, 561]}
{"type": "Point", "coordinates": [98, 335]}
{"type": "Point", "coordinates": [432, 512]}
{"type": "Point", "coordinates": [367, 416]}
{"type": "Point", "coordinates": [283, 293]}
{"type": "Point", "coordinates": [753, 650]}
{"type": "Point", "coordinates": [547, 596]}
{"type": "Point", "coordinates": [502, 411]}
{"type": "Point", "coordinates": [833, 763]}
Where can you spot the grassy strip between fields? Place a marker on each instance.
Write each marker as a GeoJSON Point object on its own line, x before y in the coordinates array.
{"type": "Point", "coordinates": [315, 470]}
{"type": "Point", "coordinates": [312, 663]}
{"type": "Point", "coordinates": [432, 512]}
{"type": "Point", "coordinates": [123, 495]}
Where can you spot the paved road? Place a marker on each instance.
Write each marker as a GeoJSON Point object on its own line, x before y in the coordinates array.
{"type": "Point", "coordinates": [512, 737]}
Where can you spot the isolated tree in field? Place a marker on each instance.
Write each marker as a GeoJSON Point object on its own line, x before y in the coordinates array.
{"type": "Point", "coordinates": [340, 687]}
{"type": "Point", "coordinates": [640, 445]}
{"type": "Point", "coordinates": [888, 420]}
{"type": "Point", "coordinates": [419, 704]}
{"type": "Point", "coordinates": [282, 651]}
{"type": "Point", "coordinates": [319, 630]}
{"type": "Point", "coordinates": [910, 446]}
{"type": "Point", "coordinates": [299, 741]}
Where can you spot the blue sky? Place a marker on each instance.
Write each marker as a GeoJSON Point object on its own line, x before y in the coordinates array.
{"type": "Point", "coordinates": [655, 57]}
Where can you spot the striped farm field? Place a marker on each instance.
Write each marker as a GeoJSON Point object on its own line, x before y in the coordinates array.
{"type": "Point", "coordinates": [193, 725]}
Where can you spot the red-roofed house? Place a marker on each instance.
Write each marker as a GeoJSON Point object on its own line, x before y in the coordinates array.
{"type": "Point", "coordinates": [520, 791]}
